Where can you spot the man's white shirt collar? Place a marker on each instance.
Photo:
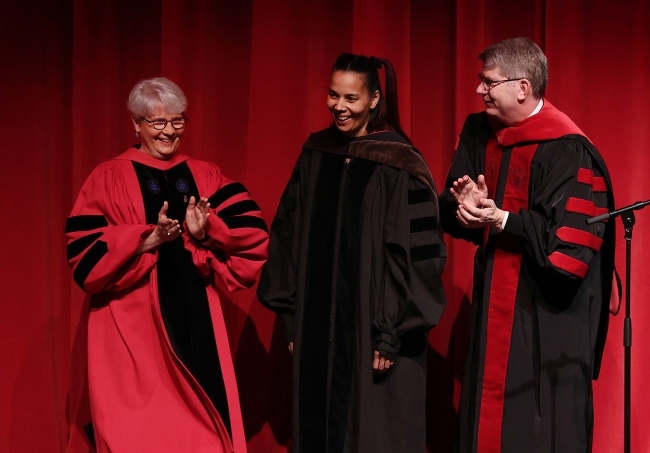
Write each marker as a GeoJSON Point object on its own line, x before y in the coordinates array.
{"type": "Point", "coordinates": [540, 104]}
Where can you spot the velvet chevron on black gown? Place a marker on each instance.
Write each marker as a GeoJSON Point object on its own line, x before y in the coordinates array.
{"type": "Point", "coordinates": [354, 266]}
{"type": "Point", "coordinates": [542, 286]}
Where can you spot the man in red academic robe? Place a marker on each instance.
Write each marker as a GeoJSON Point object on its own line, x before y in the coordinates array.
{"type": "Point", "coordinates": [521, 186]}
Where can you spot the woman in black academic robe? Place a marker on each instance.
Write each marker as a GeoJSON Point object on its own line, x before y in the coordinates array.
{"type": "Point", "coordinates": [355, 258]}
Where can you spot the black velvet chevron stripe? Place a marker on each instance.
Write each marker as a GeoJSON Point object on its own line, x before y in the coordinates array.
{"type": "Point", "coordinates": [239, 208]}
{"type": "Point", "coordinates": [85, 223]}
{"type": "Point", "coordinates": [419, 196]}
{"type": "Point", "coordinates": [423, 224]}
{"type": "Point", "coordinates": [89, 261]}
{"type": "Point", "coordinates": [79, 245]}
{"type": "Point", "coordinates": [245, 221]}
{"type": "Point", "coordinates": [226, 192]}
{"type": "Point", "coordinates": [425, 252]}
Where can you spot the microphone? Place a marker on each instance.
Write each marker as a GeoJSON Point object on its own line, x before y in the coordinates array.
{"type": "Point", "coordinates": [607, 215]}
{"type": "Point", "coordinates": [598, 218]}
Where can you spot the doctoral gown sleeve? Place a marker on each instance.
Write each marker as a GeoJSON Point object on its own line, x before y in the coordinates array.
{"type": "Point", "coordinates": [413, 298]}
{"type": "Point", "coordinates": [103, 235]}
{"type": "Point", "coordinates": [236, 226]}
{"type": "Point", "coordinates": [466, 161]}
{"type": "Point", "coordinates": [277, 288]}
{"type": "Point", "coordinates": [568, 187]}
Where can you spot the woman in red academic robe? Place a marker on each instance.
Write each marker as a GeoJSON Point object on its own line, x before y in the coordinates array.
{"type": "Point", "coordinates": [150, 233]}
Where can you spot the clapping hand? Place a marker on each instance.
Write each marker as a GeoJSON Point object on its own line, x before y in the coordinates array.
{"type": "Point", "coordinates": [196, 217]}
{"type": "Point", "coordinates": [475, 209]}
{"type": "Point", "coordinates": [466, 191]}
{"type": "Point", "coordinates": [166, 229]}
{"type": "Point", "coordinates": [478, 217]}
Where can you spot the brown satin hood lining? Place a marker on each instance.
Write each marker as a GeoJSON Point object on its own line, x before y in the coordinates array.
{"type": "Point", "coordinates": [372, 147]}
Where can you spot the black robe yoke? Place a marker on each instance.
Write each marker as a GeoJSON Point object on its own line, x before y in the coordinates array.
{"type": "Point", "coordinates": [354, 266]}
{"type": "Point", "coordinates": [541, 287]}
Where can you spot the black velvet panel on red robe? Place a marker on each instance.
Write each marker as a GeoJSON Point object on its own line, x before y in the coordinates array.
{"type": "Point", "coordinates": [160, 371]}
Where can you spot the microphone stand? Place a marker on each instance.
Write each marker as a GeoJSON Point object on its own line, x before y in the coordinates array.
{"type": "Point", "coordinates": [627, 216]}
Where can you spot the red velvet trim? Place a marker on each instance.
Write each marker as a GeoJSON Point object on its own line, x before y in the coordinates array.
{"type": "Point", "coordinates": [599, 211]}
{"type": "Point", "coordinates": [493, 154]}
{"type": "Point", "coordinates": [580, 206]}
{"type": "Point", "coordinates": [548, 124]}
{"type": "Point", "coordinates": [586, 176]}
{"type": "Point", "coordinates": [145, 159]}
{"type": "Point", "coordinates": [569, 264]}
{"type": "Point", "coordinates": [579, 237]}
{"type": "Point", "coordinates": [501, 304]}
{"type": "Point", "coordinates": [585, 207]}
{"type": "Point", "coordinates": [599, 184]}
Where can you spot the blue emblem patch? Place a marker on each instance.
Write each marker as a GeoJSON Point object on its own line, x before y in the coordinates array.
{"type": "Point", "coordinates": [153, 185]}
{"type": "Point", "coordinates": [182, 185]}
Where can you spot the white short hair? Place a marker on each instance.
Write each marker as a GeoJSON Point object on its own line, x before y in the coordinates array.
{"type": "Point", "coordinates": [149, 94]}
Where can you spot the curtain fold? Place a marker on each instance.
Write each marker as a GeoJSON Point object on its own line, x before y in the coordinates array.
{"type": "Point", "coordinates": [256, 74]}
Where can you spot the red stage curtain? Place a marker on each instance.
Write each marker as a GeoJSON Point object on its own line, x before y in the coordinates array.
{"type": "Point", "coordinates": [255, 73]}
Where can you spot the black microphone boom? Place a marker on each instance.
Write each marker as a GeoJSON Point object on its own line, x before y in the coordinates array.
{"type": "Point", "coordinates": [607, 215]}
{"type": "Point", "coordinates": [627, 216]}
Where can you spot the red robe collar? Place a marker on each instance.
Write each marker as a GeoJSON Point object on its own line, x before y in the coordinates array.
{"type": "Point", "coordinates": [548, 124]}
{"type": "Point", "coordinates": [136, 155]}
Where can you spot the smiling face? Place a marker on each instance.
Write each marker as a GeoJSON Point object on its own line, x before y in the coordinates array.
{"type": "Point", "coordinates": [159, 144]}
{"type": "Point", "coordinates": [504, 100]}
{"type": "Point", "coordinates": [350, 103]}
